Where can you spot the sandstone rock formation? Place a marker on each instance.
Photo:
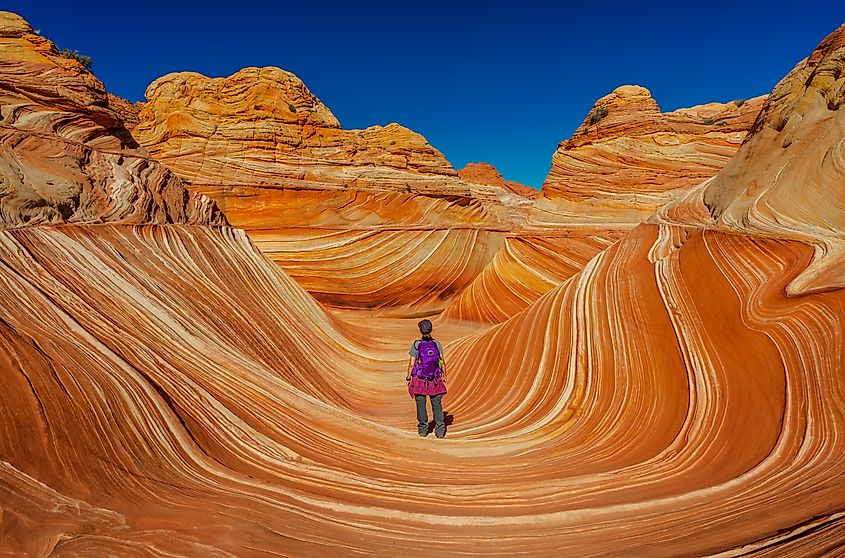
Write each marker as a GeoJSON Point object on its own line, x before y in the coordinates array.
{"type": "Point", "coordinates": [624, 162]}
{"type": "Point", "coordinates": [485, 173]}
{"type": "Point", "coordinates": [628, 159]}
{"type": "Point", "coordinates": [127, 110]}
{"type": "Point", "coordinates": [525, 268]}
{"type": "Point", "coordinates": [788, 180]}
{"type": "Point", "coordinates": [322, 201]}
{"type": "Point", "coordinates": [168, 391]}
{"type": "Point", "coordinates": [785, 181]}
{"type": "Point", "coordinates": [261, 127]}
{"type": "Point", "coordinates": [65, 157]}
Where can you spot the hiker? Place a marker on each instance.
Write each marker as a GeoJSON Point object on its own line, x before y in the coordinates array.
{"type": "Point", "coordinates": [426, 371]}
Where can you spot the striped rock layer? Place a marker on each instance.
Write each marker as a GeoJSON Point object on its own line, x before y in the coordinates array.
{"type": "Point", "coordinates": [65, 156]}
{"type": "Point", "coordinates": [169, 391]}
{"type": "Point", "coordinates": [526, 267]}
{"type": "Point", "coordinates": [787, 180]}
{"type": "Point", "coordinates": [628, 159]}
{"type": "Point", "coordinates": [258, 143]}
{"type": "Point", "coordinates": [625, 161]}
{"type": "Point", "coordinates": [258, 427]}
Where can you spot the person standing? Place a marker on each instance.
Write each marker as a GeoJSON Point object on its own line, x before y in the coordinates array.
{"type": "Point", "coordinates": [425, 377]}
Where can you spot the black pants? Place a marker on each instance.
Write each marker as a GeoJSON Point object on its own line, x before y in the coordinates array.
{"type": "Point", "coordinates": [422, 415]}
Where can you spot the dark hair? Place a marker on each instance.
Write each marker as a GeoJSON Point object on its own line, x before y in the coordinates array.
{"type": "Point", "coordinates": [425, 327]}
{"type": "Point", "coordinates": [426, 337]}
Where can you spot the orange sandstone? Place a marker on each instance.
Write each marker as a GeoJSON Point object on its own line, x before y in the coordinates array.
{"type": "Point", "coordinates": [169, 391]}
{"type": "Point", "coordinates": [628, 159]}
{"type": "Point", "coordinates": [65, 156]}
{"type": "Point", "coordinates": [485, 173]}
{"type": "Point", "coordinates": [380, 205]}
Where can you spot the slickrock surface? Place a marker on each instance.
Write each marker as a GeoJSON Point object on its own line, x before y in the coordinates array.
{"type": "Point", "coordinates": [65, 157]}
{"type": "Point", "coordinates": [169, 391]}
{"type": "Point", "coordinates": [786, 181]}
{"type": "Point", "coordinates": [235, 436]}
{"type": "Point", "coordinates": [524, 269]}
{"type": "Point", "coordinates": [485, 173]}
{"type": "Point", "coordinates": [261, 125]}
{"type": "Point", "coordinates": [620, 168]}
{"type": "Point", "coordinates": [419, 270]}
{"type": "Point", "coordinates": [789, 180]}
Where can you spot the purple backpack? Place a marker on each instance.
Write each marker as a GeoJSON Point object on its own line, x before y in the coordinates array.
{"type": "Point", "coordinates": [427, 366]}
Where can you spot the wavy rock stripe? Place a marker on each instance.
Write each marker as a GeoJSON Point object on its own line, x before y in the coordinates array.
{"type": "Point", "coordinates": [524, 269]}
{"type": "Point", "coordinates": [785, 180]}
{"type": "Point", "coordinates": [353, 249]}
{"type": "Point", "coordinates": [278, 208]}
{"type": "Point", "coordinates": [788, 177]}
{"type": "Point", "coordinates": [417, 269]}
{"type": "Point", "coordinates": [276, 160]}
{"type": "Point", "coordinates": [622, 393]}
{"type": "Point", "coordinates": [626, 423]}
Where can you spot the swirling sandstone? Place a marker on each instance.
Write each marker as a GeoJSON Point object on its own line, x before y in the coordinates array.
{"type": "Point", "coordinates": [784, 181]}
{"type": "Point", "coordinates": [524, 269]}
{"type": "Point", "coordinates": [787, 179]}
{"type": "Point", "coordinates": [168, 391]}
{"type": "Point", "coordinates": [620, 166]}
{"type": "Point", "coordinates": [254, 442]}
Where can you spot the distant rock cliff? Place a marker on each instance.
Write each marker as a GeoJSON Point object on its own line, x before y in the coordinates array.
{"type": "Point", "coordinates": [485, 173]}
{"type": "Point", "coordinates": [627, 159]}
{"type": "Point", "coordinates": [263, 128]}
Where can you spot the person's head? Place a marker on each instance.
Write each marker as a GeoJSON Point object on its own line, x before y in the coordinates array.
{"type": "Point", "coordinates": [425, 328]}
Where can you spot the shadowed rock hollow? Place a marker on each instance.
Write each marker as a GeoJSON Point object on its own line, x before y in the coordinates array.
{"type": "Point", "coordinates": [173, 386]}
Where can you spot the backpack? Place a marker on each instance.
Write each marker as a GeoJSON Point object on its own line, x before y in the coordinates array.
{"type": "Point", "coordinates": [427, 366]}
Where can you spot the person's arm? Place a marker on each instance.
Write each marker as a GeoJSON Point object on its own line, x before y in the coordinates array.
{"type": "Point", "coordinates": [410, 367]}
{"type": "Point", "coordinates": [442, 360]}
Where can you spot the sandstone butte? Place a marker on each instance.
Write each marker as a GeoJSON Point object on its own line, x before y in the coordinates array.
{"type": "Point", "coordinates": [628, 159]}
{"type": "Point", "coordinates": [169, 391]}
{"type": "Point", "coordinates": [485, 173]}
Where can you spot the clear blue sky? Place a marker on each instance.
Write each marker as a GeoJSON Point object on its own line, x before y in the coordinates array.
{"type": "Point", "coordinates": [493, 81]}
